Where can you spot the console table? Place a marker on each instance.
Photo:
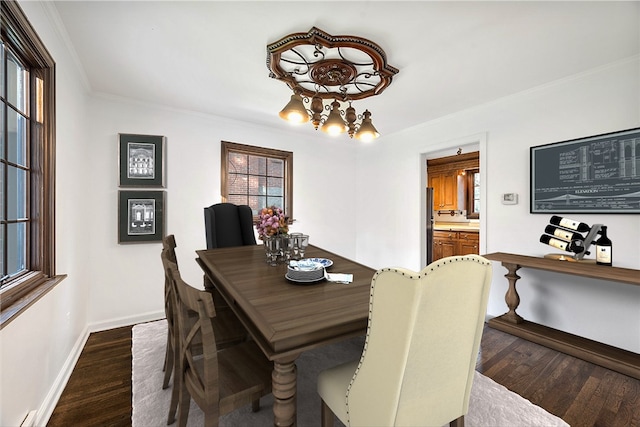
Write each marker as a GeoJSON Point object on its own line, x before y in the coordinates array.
{"type": "Point", "coordinates": [623, 361]}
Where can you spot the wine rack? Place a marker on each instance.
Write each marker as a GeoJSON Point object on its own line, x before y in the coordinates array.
{"type": "Point", "coordinates": [579, 246]}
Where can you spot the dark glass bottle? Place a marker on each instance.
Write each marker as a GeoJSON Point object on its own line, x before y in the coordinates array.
{"type": "Point", "coordinates": [570, 224]}
{"type": "Point", "coordinates": [604, 250]}
{"type": "Point", "coordinates": [575, 246]}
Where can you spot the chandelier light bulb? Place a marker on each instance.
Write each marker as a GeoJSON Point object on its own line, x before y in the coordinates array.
{"type": "Point", "coordinates": [334, 125]}
{"type": "Point", "coordinates": [294, 112]}
{"type": "Point", "coordinates": [367, 132]}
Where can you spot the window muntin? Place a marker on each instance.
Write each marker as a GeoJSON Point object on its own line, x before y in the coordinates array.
{"type": "Point", "coordinates": [256, 176]}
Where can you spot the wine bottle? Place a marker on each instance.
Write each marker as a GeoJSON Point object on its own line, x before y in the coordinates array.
{"type": "Point", "coordinates": [604, 250]}
{"type": "Point", "coordinates": [575, 246]}
{"type": "Point", "coordinates": [571, 224]}
{"type": "Point", "coordinates": [562, 233]}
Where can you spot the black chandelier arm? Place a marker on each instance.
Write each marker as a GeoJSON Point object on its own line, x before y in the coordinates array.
{"type": "Point", "coordinates": [303, 60]}
{"type": "Point", "coordinates": [357, 64]}
{"type": "Point", "coordinates": [360, 84]}
{"type": "Point", "coordinates": [318, 52]}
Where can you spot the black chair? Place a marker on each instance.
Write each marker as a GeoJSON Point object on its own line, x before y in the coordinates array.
{"type": "Point", "coordinates": [228, 225]}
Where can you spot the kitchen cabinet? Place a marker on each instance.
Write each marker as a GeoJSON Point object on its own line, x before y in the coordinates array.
{"type": "Point", "coordinates": [444, 175]}
{"type": "Point", "coordinates": [445, 190]}
{"type": "Point", "coordinates": [468, 243]}
{"type": "Point", "coordinates": [450, 243]}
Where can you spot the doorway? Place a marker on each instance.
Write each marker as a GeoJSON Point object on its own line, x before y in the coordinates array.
{"type": "Point", "coordinates": [468, 144]}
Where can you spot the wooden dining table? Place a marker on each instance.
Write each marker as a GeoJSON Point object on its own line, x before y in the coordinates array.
{"type": "Point", "coordinates": [286, 318]}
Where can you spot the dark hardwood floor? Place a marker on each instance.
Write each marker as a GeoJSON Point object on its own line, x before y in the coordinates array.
{"type": "Point", "coordinates": [99, 390]}
{"type": "Point", "coordinates": [581, 393]}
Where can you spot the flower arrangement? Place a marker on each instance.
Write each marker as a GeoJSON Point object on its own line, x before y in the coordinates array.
{"type": "Point", "coordinates": [272, 221]}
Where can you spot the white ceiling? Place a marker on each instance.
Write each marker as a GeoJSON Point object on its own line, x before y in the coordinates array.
{"type": "Point", "coordinates": [210, 56]}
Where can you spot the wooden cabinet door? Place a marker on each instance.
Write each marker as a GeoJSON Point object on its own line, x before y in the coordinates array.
{"type": "Point", "coordinates": [445, 190]}
{"type": "Point", "coordinates": [444, 244]}
{"type": "Point", "coordinates": [468, 243]}
{"type": "Point", "coordinates": [437, 250]}
{"type": "Point", "coordinates": [436, 182]}
{"type": "Point", "coordinates": [449, 193]}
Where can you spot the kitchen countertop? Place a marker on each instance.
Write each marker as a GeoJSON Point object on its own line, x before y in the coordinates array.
{"type": "Point", "coordinates": [456, 226]}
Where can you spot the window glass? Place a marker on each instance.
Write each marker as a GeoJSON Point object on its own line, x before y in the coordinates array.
{"type": "Point", "coordinates": [16, 137]}
{"type": "Point", "coordinates": [16, 247]}
{"type": "Point", "coordinates": [2, 62]}
{"type": "Point", "coordinates": [39, 117]}
{"type": "Point", "coordinates": [2, 119]}
{"type": "Point", "coordinates": [476, 192]}
{"type": "Point", "coordinates": [256, 176]}
{"type": "Point", "coordinates": [2, 198]}
{"type": "Point", "coordinates": [17, 83]}
{"type": "Point", "coordinates": [16, 193]}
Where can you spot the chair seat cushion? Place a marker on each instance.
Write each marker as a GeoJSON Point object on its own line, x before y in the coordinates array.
{"type": "Point", "coordinates": [332, 387]}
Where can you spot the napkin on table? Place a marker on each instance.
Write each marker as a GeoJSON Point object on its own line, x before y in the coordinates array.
{"type": "Point", "coordinates": [339, 277]}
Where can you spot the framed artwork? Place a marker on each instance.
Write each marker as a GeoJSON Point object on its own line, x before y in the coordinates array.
{"type": "Point", "coordinates": [141, 216]}
{"type": "Point", "coordinates": [595, 174]}
{"type": "Point", "coordinates": [141, 160]}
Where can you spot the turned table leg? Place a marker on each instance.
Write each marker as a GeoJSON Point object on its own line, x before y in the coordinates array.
{"type": "Point", "coordinates": [512, 298]}
{"type": "Point", "coordinates": [284, 392]}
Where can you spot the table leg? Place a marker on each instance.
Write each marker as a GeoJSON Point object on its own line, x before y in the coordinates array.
{"type": "Point", "coordinates": [512, 298]}
{"type": "Point", "coordinates": [284, 379]}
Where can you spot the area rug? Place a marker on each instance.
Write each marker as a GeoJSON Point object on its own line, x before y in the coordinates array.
{"type": "Point", "coordinates": [491, 405]}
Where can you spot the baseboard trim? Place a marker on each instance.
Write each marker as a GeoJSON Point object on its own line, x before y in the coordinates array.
{"type": "Point", "coordinates": [51, 400]}
{"type": "Point", "coordinates": [126, 321]}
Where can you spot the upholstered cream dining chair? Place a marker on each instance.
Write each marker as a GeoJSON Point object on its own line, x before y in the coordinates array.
{"type": "Point", "coordinates": [418, 361]}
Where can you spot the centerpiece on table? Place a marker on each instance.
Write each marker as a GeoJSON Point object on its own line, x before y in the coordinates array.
{"type": "Point", "coordinates": [273, 229]}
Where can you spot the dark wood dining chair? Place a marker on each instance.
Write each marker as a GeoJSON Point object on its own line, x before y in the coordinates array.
{"type": "Point", "coordinates": [172, 352]}
{"type": "Point", "coordinates": [218, 380]}
{"type": "Point", "coordinates": [168, 245]}
{"type": "Point", "coordinates": [229, 331]}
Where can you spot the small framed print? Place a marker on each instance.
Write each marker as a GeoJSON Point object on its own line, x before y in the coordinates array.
{"type": "Point", "coordinates": [141, 216]}
{"type": "Point", "coordinates": [142, 160]}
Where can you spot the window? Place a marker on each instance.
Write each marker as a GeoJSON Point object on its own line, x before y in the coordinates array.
{"type": "Point", "coordinates": [258, 177]}
{"type": "Point", "coordinates": [27, 159]}
{"type": "Point", "coordinates": [473, 193]}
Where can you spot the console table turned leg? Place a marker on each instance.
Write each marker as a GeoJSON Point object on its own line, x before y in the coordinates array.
{"type": "Point", "coordinates": [512, 298]}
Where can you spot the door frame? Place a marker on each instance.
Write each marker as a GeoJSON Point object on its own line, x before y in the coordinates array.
{"type": "Point", "coordinates": [475, 142]}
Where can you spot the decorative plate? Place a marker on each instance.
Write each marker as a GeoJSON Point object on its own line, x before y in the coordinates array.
{"type": "Point", "coordinates": [326, 263]}
{"type": "Point", "coordinates": [302, 281]}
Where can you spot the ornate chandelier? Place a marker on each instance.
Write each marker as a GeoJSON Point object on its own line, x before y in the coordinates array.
{"type": "Point", "coordinates": [318, 66]}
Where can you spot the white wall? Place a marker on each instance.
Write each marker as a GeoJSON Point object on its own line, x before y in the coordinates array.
{"type": "Point", "coordinates": [390, 185]}
{"type": "Point", "coordinates": [372, 211]}
{"type": "Point", "coordinates": [38, 349]}
{"type": "Point", "coordinates": [111, 285]}
{"type": "Point", "coordinates": [127, 279]}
